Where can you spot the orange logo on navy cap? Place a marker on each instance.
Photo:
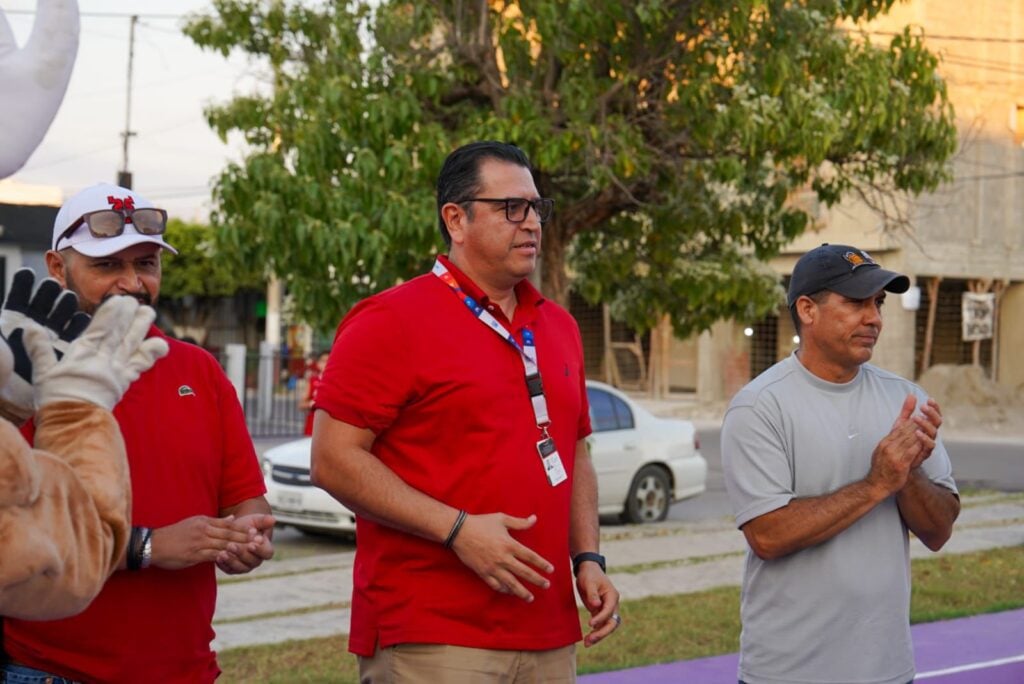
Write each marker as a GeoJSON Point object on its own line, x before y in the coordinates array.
{"type": "Point", "coordinates": [856, 259]}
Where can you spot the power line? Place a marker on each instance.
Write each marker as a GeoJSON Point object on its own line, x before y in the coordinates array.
{"type": "Point", "coordinates": [984, 67]}
{"type": "Point", "coordinates": [990, 176]}
{"type": "Point", "coordinates": [108, 15]}
{"type": "Point", "coordinates": [966, 39]}
{"type": "Point", "coordinates": [64, 160]}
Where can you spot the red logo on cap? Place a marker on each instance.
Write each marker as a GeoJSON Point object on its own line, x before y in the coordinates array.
{"type": "Point", "coordinates": [125, 205]}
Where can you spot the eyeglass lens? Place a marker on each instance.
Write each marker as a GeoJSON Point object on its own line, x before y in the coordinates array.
{"type": "Point", "coordinates": [108, 223]}
{"type": "Point", "coordinates": [517, 209]}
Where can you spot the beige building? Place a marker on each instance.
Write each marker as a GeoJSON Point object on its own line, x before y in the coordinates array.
{"type": "Point", "coordinates": [968, 236]}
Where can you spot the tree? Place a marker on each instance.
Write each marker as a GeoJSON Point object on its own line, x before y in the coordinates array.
{"type": "Point", "coordinates": [195, 280]}
{"type": "Point", "coordinates": [673, 135]}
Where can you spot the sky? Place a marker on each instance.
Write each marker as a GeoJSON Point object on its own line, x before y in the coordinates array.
{"type": "Point", "coordinates": [174, 154]}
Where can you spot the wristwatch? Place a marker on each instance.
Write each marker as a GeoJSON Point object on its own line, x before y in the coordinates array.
{"type": "Point", "coordinates": [587, 556]}
{"type": "Point", "coordinates": [147, 549]}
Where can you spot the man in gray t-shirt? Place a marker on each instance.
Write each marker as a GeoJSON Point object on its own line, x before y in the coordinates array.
{"type": "Point", "coordinates": [828, 462]}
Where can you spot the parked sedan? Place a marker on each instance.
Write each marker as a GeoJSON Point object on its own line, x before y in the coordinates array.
{"type": "Point", "coordinates": [643, 463]}
{"type": "Point", "coordinates": [293, 498]}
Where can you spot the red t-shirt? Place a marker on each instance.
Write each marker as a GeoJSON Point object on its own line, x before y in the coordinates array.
{"type": "Point", "coordinates": [446, 398]}
{"type": "Point", "coordinates": [189, 453]}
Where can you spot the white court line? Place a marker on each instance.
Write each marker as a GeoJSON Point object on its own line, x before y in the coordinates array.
{"type": "Point", "coordinates": [971, 666]}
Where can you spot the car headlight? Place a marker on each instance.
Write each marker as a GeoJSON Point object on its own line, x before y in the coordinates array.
{"type": "Point", "coordinates": [268, 468]}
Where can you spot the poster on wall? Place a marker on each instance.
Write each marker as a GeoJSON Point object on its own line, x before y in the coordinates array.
{"type": "Point", "coordinates": [978, 315]}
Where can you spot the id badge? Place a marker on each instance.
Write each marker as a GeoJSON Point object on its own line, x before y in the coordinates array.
{"type": "Point", "coordinates": [553, 467]}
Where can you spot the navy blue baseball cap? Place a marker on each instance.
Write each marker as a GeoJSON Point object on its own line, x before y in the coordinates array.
{"type": "Point", "coordinates": [840, 268]}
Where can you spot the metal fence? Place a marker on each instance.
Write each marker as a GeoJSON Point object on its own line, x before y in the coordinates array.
{"type": "Point", "coordinates": [272, 386]}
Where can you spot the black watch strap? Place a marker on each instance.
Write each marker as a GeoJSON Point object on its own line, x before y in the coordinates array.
{"type": "Point", "coordinates": [587, 556]}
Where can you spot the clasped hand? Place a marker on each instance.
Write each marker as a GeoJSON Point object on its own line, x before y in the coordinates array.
{"type": "Point", "coordinates": [236, 545]}
{"type": "Point", "coordinates": [907, 446]}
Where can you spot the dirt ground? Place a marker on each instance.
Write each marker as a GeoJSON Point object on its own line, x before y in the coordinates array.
{"type": "Point", "coordinates": [970, 402]}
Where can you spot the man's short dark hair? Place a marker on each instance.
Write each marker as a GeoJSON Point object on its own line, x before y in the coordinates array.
{"type": "Point", "coordinates": [817, 297]}
{"type": "Point", "coordinates": [460, 175]}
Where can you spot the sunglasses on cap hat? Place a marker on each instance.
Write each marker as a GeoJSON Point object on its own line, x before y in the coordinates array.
{"type": "Point", "coordinates": [107, 223]}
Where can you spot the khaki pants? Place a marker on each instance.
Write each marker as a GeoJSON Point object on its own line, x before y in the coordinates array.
{"type": "Point", "coordinates": [443, 664]}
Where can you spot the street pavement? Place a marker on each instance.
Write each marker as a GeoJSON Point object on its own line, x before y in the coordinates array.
{"type": "Point", "coordinates": [308, 596]}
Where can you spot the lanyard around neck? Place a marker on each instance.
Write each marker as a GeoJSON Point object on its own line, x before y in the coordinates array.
{"type": "Point", "coordinates": [527, 350]}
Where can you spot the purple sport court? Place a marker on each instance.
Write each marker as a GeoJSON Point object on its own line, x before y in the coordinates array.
{"type": "Point", "coordinates": [985, 649]}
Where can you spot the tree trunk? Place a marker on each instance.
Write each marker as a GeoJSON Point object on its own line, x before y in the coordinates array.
{"type": "Point", "coordinates": [554, 281]}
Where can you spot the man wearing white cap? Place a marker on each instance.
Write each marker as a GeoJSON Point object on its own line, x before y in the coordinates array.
{"type": "Point", "coordinates": [197, 489]}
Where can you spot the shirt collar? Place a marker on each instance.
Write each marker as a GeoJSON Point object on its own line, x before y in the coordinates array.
{"type": "Point", "coordinates": [528, 298]}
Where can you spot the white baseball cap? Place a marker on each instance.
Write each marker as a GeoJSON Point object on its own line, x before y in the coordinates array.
{"type": "Point", "coordinates": [96, 198]}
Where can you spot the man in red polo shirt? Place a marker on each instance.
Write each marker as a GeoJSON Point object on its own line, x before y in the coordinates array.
{"type": "Point", "coordinates": [197, 489]}
{"type": "Point", "coordinates": [452, 419]}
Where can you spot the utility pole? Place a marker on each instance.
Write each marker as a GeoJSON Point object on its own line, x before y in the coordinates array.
{"type": "Point", "coordinates": [124, 176]}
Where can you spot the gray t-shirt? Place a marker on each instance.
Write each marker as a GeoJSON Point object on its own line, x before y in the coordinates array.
{"type": "Point", "coordinates": [837, 611]}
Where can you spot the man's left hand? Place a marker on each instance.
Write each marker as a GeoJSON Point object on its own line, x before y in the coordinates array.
{"type": "Point", "coordinates": [239, 559]}
{"type": "Point", "coordinates": [928, 422]}
{"type": "Point", "coordinates": [601, 600]}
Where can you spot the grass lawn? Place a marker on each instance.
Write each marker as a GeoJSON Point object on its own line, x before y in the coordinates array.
{"type": "Point", "coordinates": [683, 626]}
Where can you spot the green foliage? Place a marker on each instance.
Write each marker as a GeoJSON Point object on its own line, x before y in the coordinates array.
{"type": "Point", "coordinates": [196, 271]}
{"type": "Point", "coordinates": [673, 135]}
{"type": "Point", "coordinates": [197, 278]}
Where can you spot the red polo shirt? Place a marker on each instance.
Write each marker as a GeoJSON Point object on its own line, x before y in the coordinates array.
{"type": "Point", "coordinates": [447, 400]}
{"type": "Point", "coordinates": [189, 453]}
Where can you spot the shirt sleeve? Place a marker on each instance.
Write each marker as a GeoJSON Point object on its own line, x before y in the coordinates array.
{"type": "Point", "coordinates": [758, 475]}
{"type": "Point", "coordinates": [937, 467]}
{"type": "Point", "coordinates": [241, 477]}
{"type": "Point", "coordinates": [369, 375]}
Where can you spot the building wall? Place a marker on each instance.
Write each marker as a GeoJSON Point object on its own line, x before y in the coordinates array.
{"type": "Point", "coordinates": [970, 229]}
{"type": "Point", "coordinates": [1011, 339]}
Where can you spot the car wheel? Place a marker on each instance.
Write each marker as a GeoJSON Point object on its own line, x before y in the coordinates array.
{"type": "Point", "coordinates": [649, 496]}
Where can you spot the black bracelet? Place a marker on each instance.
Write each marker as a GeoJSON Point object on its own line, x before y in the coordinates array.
{"type": "Point", "coordinates": [455, 530]}
{"type": "Point", "coordinates": [587, 556]}
{"type": "Point", "coordinates": [132, 555]}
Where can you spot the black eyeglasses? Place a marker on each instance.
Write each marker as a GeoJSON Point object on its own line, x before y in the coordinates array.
{"type": "Point", "coordinates": [110, 222]}
{"type": "Point", "coordinates": [517, 208]}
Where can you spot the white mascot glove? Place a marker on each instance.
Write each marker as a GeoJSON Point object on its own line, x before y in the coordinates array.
{"type": "Point", "coordinates": [34, 78]}
{"type": "Point", "coordinates": [100, 365]}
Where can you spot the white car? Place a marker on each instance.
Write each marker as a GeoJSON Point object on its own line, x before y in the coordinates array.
{"type": "Point", "coordinates": [293, 498]}
{"type": "Point", "coordinates": [644, 464]}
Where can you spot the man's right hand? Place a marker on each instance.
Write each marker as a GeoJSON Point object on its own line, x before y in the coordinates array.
{"type": "Point", "coordinates": [485, 547]}
{"type": "Point", "coordinates": [194, 540]}
{"type": "Point", "coordinates": [907, 445]}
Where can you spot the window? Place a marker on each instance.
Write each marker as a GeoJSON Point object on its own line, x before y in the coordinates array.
{"type": "Point", "coordinates": [608, 412]}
